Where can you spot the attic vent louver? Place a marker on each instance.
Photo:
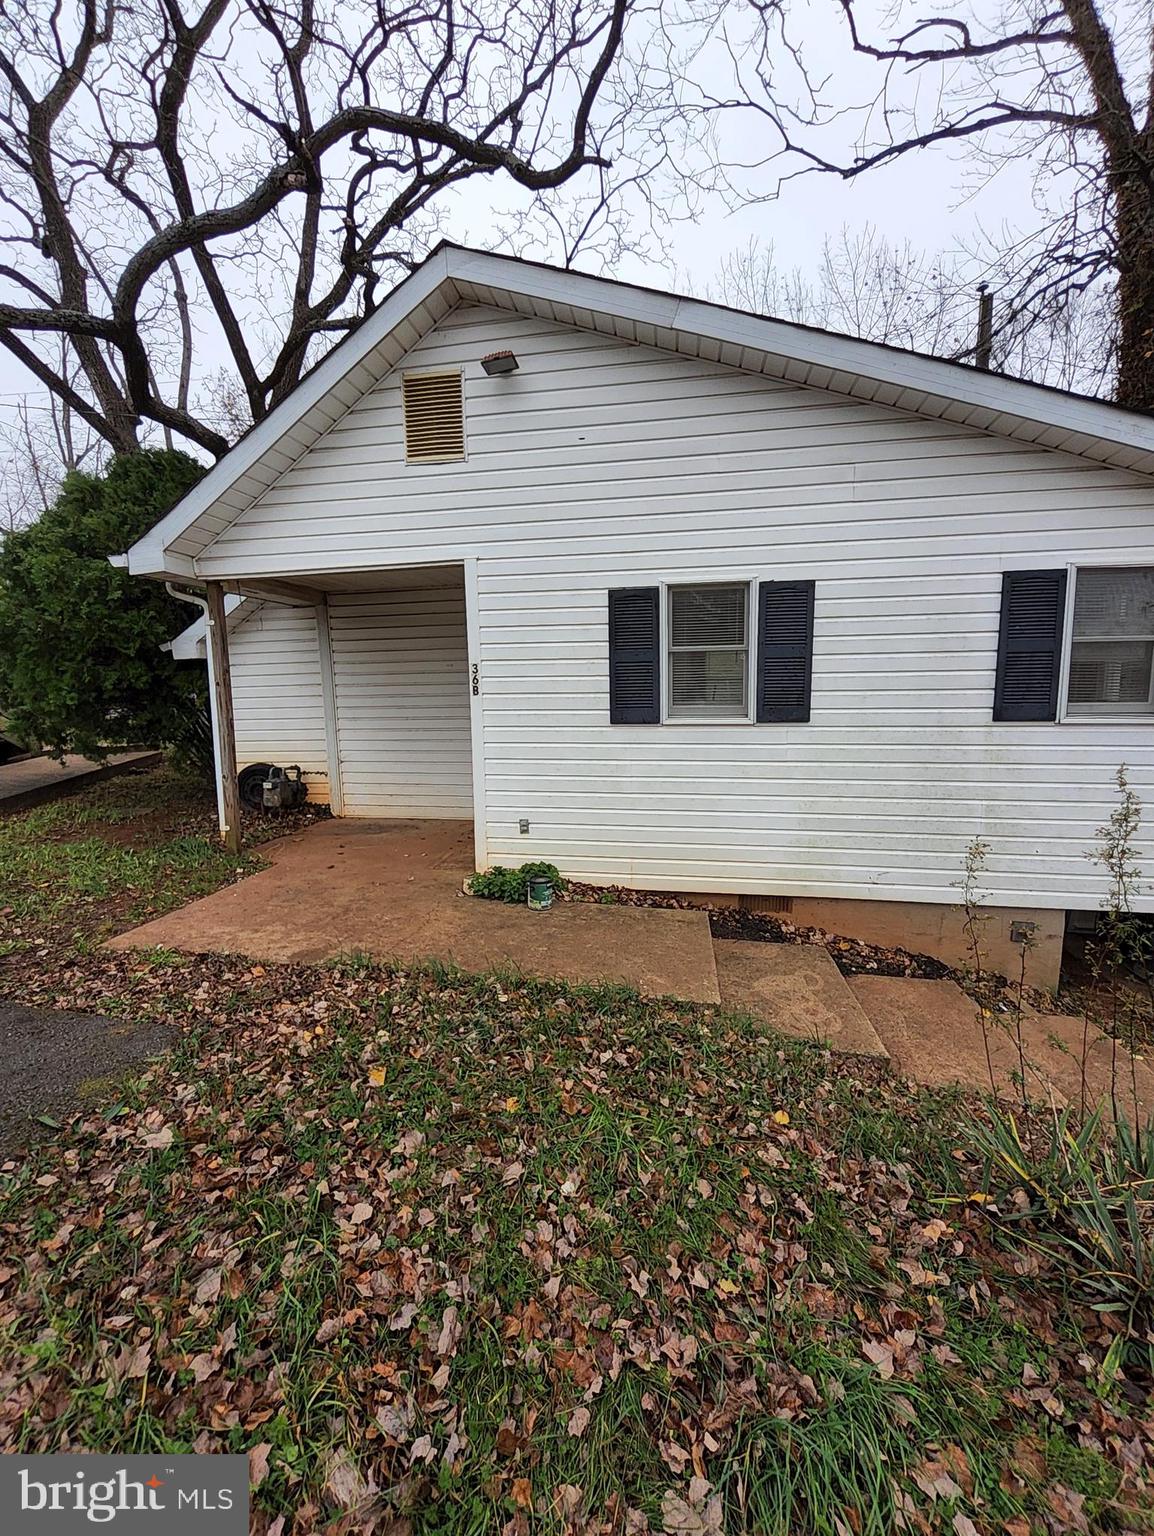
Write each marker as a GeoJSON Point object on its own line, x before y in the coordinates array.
{"type": "Point", "coordinates": [434, 417]}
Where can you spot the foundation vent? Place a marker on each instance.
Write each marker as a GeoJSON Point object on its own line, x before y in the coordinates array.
{"type": "Point", "coordinates": [777, 904]}
{"type": "Point", "coordinates": [434, 417]}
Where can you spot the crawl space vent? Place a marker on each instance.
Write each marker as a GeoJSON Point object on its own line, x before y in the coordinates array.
{"type": "Point", "coordinates": [434, 417]}
{"type": "Point", "coordinates": [765, 903]}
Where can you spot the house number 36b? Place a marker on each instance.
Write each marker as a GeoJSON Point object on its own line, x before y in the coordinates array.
{"type": "Point", "coordinates": [476, 679]}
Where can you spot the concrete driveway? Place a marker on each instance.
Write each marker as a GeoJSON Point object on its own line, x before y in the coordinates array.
{"type": "Point", "coordinates": [33, 780]}
{"type": "Point", "coordinates": [54, 1060]}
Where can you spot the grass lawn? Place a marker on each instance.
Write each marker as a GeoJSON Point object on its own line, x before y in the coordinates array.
{"type": "Point", "coordinates": [79, 869]}
{"type": "Point", "coordinates": [456, 1254]}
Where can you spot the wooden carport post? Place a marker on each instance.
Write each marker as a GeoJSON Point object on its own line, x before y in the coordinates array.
{"type": "Point", "coordinates": [225, 729]}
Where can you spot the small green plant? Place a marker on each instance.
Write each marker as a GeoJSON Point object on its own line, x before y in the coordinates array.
{"type": "Point", "coordinates": [1122, 939]}
{"type": "Point", "coordinates": [973, 904]}
{"type": "Point", "coordinates": [1025, 945]}
{"type": "Point", "coordinates": [512, 885]}
{"type": "Point", "coordinates": [1084, 1192]}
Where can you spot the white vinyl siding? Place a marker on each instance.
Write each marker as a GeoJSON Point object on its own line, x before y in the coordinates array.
{"type": "Point", "coordinates": [605, 464]}
{"type": "Point", "coordinates": [400, 669]}
{"type": "Point", "coordinates": [276, 691]}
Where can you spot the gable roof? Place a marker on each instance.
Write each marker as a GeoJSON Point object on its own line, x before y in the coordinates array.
{"type": "Point", "coordinates": [782, 349]}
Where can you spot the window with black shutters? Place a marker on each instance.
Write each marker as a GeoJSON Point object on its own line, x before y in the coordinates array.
{"type": "Point", "coordinates": [1111, 669]}
{"type": "Point", "coordinates": [707, 640]}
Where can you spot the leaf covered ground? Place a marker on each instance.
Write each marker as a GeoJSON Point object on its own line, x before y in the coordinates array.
{"type": "Point", "coordinates": [457, 1254]}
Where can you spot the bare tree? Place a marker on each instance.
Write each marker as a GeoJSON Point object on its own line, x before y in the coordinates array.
{"type": "Point", "coordinates": [247, 178]}
{"type": "Point", "coordinates": [41, 442]}
{"type": "Point", "coordinates": [1067, 89]}
{"type": "Point", "coordinates": [863, 285]}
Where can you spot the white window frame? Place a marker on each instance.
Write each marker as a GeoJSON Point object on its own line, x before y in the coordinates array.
{"type": "Point", "coordinates": [739, 579]}
{"type": "Point", "coordinates": [1093, 717]}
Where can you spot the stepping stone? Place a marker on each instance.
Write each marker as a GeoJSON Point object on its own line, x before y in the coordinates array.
{"type": "Point", "coordinates": [1060, 1036]}
{"type": "Point", "coordinates": [933, 1033]}
{"type": "Point", "coordinates": [797, 989]}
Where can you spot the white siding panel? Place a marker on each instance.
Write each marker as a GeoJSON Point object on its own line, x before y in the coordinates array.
{"type": "Point", "coordinates": [603, 463]}
{"type": "Point", "coordinates": [276, 690]}
{"type": "Point", "coordinates": [401, 671]}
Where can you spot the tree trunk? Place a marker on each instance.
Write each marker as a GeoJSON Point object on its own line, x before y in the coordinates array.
{"type": "Point", "coordinates": [1135, 234]}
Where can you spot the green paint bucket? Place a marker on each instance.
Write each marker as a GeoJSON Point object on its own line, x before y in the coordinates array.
{"type": "Point", "coordinates": [540, 892]}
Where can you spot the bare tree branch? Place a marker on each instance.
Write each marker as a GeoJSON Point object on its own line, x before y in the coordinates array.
{"type": "Point", "coordinates": [1067, 88]}
{"type": "Point", "coordinates": [260, 164]}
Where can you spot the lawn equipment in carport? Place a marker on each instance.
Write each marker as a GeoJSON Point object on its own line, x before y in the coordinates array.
{"type": "Point", "coordinates": [267, 787]}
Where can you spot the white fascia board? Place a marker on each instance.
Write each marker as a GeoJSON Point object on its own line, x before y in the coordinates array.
{"type": "Point", "coordinates": [150, 556]}
{"type": "Point", "coordinates": [933, 375]}
{"type": "Point", "coordinates": [562, 287]}
{"type": "Point", "coordinates": [189, 644]}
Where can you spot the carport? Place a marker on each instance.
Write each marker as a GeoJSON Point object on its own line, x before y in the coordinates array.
{"type": "Point", "coordinates": [363, 677]}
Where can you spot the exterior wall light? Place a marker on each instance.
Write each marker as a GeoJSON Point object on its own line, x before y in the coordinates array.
{"type": "Point", "coordinates": [500, 362]}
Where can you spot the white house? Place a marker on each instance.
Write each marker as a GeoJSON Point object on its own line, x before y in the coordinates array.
{"type": "Point", "coordinates": [682, 598]}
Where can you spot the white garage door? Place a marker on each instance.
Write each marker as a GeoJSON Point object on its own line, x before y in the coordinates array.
{"type": "Point", "coordinates": [401, 670]}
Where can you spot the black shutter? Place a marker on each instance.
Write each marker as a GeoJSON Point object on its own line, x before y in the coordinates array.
{"type": "Point", "coordinates": [634, 656]}
{"type": "Point", "coordinates": [1030, 645]}
{"type": "Point", "coordinates": [784, 650]}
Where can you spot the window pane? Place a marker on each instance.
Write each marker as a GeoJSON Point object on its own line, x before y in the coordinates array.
{"type": "Point", "coordinates": [1110, 672]}
{"type": "Point", "coordinates": [704, 683]}
{"type": "Point", "coordinates": [707, 616]}
{"type": "Point", "coordinates": [1112, 602]}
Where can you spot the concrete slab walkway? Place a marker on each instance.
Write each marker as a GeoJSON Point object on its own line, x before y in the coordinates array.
{"type": "Point", "coordinates": [797, 989]}
{"type": "Point", "coordinates": [1110, 1068]}
{"type": "Point", "coordinates": [393, 890]}
{"type": "Point", "coordinates": [38, 779]}
{"type": "Point", "coordinates": [934, 1035]}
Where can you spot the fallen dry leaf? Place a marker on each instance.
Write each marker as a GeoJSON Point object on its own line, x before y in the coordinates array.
{"type": "Point", "coordinates": [258, 1464]}
{"type": "Point", "coordinates": [882, 1355]}
{"type": "Point", "coordinates": [700, 1514]}
{"type": "Point", "coordinates": [344, 1485]}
